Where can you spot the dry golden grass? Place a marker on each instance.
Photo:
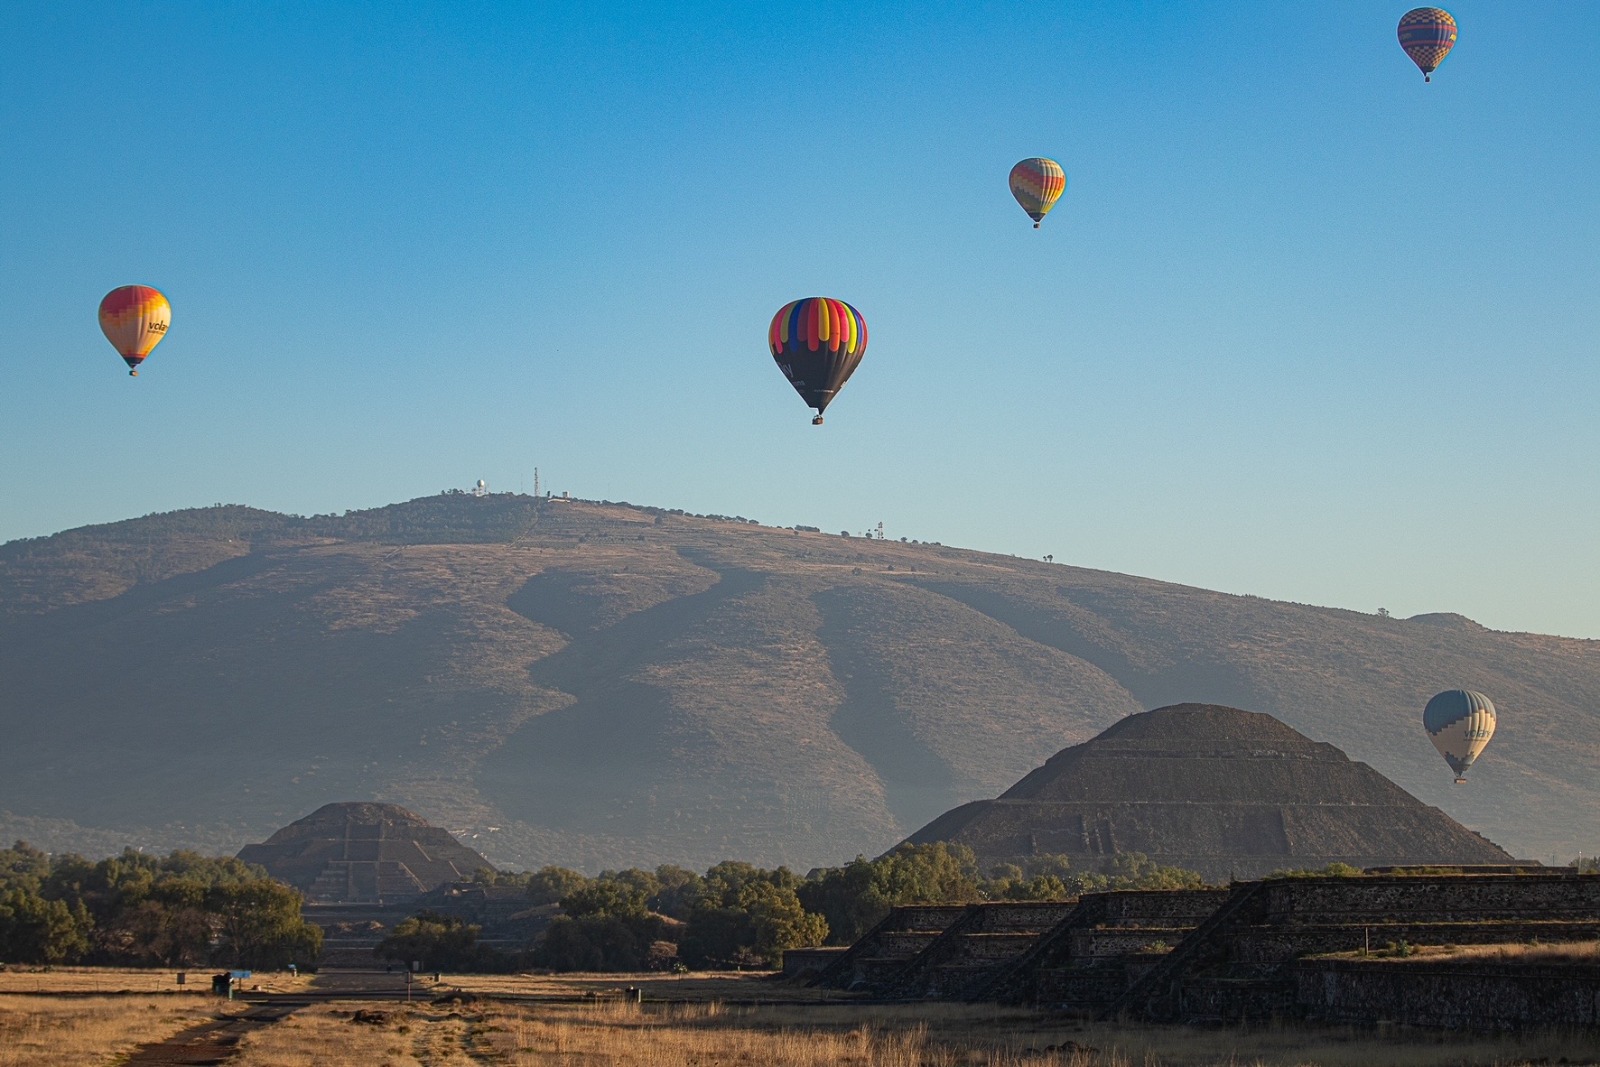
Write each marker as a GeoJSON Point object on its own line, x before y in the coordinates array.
{"type": "Point", "coordinates": [687, 1021]}
{"type": "Point", "coordinates": [704, 1035]}
{"type": "Point", "coordinates": [708, 1033]}
{"type": "Point", "coordinates": [1537, 953]}
{"type": "Point", "coordinates": [49, 980]}
{"type": "Point", "coordinates": [74, 1031]}
{"type": "Point", "coordinates": [694, 986]}
{"type": "Point", "coordinates": [334, 1036]}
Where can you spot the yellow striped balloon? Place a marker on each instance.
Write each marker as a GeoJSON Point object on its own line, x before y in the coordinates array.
{"type": "Point", "coordinates": [134, 319]}
{"type": "Point", "coordinates": [1037, 184]}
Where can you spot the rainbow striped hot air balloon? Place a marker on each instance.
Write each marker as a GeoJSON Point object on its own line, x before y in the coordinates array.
{"type": "Point", "coordinates": [1460, 723]}
{"type": "Point", "coordinates": [1427, 34]}
{"type": "Point", "coordinates": [134, 319]}
{"type": "Point", "coordinates": [817, 342]}
{"type": "Point", "coordinates": [1037, 184]}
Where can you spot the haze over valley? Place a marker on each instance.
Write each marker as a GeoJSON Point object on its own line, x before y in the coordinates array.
{"type": "Point", "coordinates": [603, 685]}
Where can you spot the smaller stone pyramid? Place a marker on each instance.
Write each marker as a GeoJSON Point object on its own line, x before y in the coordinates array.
{"type": "Point", "coordinates": [1213, 789]}
{"type": "Point", "coordinates": [362, 853]}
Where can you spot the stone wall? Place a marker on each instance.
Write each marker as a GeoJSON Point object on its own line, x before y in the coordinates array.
{"type": "Point", "coordinates": [1111, 934]}
{"type": "Point", "coordinates": [904, 932]}
{"type": "Point", "coordinates": [1430, 897]}
{"type": "Point", "coordinates": [1240, 963]}
{"type": "Point", "coordinates": [1469, 994]}
{"type": "Point", "coordinates": [800, 962]}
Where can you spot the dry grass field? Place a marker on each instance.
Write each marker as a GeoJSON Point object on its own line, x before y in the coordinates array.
{"type": "Point", "coordinates": [695, 1020]}
{"type": "Point", "coordinates": [119, 980]}
{"type": "Point", "coordinates": [618, 1034]}
{"type": "Point", "coordinates": [1522, 953]}
{"type": "Point", "coordinates": [72, 1031]}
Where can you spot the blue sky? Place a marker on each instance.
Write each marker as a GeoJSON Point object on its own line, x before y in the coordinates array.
{"type": "Point", "coordinates": [1302, 326]}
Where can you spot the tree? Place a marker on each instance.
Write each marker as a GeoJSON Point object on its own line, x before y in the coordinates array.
{"type": "Point", "coordinates": [848, 898]}
{"type": "Point", "coordinates": [598, 942]}
{"type": "Point", "coordinates": [778, 921]}
{"type": "Point", "coordinates": [680, 889]}
{"type": "Point", "coordinates": [442, 943]}
{"type": "Point", "coordinates": [605, 897]}
{"type": "Point", "coordinates": [940, 873]}
{"type": "Point", "coordinates": [36, 930]}
{"type": "Point", "coordinates": [23, 867]}
{"type": "Point", "coordinates": [259, 926]}
{"type": "Point", "coordinates": [754, 928]}
{"type": "Point", "coordinates": [549, 884]}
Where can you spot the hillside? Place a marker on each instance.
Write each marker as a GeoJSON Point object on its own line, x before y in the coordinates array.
{"type": "Point", "coordinates": [600, 684]}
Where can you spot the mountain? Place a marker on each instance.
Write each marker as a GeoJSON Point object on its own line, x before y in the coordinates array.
{"type": "Point", "coordinates": [1228, 793]}
{"type": "Point", "coordinates": [599, 684]}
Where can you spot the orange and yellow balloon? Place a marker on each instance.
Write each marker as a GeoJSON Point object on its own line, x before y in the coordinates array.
{"type": "Point", "coordinates": [134, 319]}
{"type": "Point", "coordinates": [1037, 184]}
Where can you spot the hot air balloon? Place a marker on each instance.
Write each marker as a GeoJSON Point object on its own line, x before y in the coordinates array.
{"type": "Point", "coordinates": [1037, 184]}
{"type": "Point", "coordinates": [134, 319]}
{"type": "Point", "coordinates": [817, 343]}
{"type": "Point", "coordinates": [1427, 34]}
{"type": "Point", "coordinates": [1460, 722]}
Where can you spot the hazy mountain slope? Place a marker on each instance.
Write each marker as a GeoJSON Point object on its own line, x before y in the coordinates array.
{"type": "Point", "coordinates": [1356, 681]}
{"type": "Point", "coordinates": [596, 684]}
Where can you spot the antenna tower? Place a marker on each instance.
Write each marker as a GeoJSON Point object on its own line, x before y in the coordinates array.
{"type": "Point", "coordinates": [536, 483]}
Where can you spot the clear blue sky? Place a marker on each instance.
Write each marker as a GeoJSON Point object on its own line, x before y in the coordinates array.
{"type": "Point", "coordinates": [1302, 326]}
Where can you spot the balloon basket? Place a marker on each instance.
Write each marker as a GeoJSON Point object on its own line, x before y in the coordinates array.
{"type": "Point", "coordinates": [817, 421]}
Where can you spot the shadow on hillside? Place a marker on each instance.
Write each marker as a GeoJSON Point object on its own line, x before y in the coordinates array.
{"type": "Point", "coordinates": [917, 782]}
{"type": "Point", "coordinates": [1185, 682]}
{"type": "Point", "coordinates": [598, 764]}
{"type": "Point", "coordinates": [90, 615]}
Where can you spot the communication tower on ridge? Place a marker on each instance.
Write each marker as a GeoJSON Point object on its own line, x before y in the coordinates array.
{"type": "Point", "coordinates": [880, 531]}
{"type": "Point", "coordinates": [481, 489]}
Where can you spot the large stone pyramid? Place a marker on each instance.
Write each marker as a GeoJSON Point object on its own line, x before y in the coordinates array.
{"type": "Point", "coordinates": [1225, 792]}
{"type": "Point", "coordinates": [363, 853]}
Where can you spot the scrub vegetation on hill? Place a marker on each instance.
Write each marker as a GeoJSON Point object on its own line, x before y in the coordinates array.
{"type": "Point", "coordinates": [602, 684]}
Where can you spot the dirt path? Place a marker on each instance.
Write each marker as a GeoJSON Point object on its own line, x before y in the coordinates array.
{"type": "Point", "coordinates": [208, 1043]}
{"type": "Point", "coordinates": [216, 1041]}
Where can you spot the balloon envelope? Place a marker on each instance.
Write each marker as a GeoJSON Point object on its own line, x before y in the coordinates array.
{"type": "Point", "coordinates": [1460, 723]}
{"type": "Point", "coordinates": [1427, 34]}
{"type": "Point", "coordinates": [1037, 184]}
{"type": "Point", "coordinates": [134, 319]}
{"type": "Point", "coordinates": [817, 342]}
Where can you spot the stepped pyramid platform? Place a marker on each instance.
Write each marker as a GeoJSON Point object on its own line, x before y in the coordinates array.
{"type": "Point", "coordinates": [1228, 793]}
{"type": "Point", "coordinates": [986, 937]}
{"type": "Point", "coordinates": [362, 853]}
{"type": "Point", "coordinates": [1239, 963]}
{"type": "Point", "coordinates": [889, 946]}
{"type": "Point", "coordinates": [1088, 959]}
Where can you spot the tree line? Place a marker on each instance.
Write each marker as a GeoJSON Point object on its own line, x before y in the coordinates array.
{"type": "Point", "coordinates": [739, 915]}
{"type": "Point", "coordinates": [188, 910]}
{"type": "Point", "coordinates": [179, 910]}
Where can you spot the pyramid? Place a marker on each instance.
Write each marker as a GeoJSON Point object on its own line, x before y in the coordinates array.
{"type": "Point", "coordinates": [1225, 792]}
{"type": "Point", "coordinates": [361, 853]}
